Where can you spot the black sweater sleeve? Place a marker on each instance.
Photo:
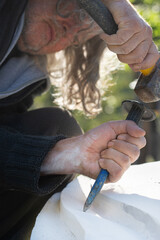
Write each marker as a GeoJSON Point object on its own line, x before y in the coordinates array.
{"type": "Point", "coordinates": [21, 157]}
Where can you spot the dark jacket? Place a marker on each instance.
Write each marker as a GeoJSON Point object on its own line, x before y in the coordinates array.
{"type": "Point", "coordinates": [23, 192]}
{"type": "Point", "coordinates": [10, 13]}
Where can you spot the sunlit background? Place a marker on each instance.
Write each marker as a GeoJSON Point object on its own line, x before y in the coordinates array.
{"type": "Point", "coordinates": [121, 88]}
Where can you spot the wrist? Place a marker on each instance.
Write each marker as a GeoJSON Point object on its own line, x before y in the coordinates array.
{"type": "Point", "coordinates": [64, 158]}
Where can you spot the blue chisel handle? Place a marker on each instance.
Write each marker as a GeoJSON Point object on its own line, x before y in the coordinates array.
{"type": "Point", "coordinates": [97, 185]}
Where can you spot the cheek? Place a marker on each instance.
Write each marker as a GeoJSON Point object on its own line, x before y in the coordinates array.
{"type": "Point", "coordinates": [61, 44]}
{"type": "Point", "coordinates": [40, 33]}
{"type": "Point", "coordinates": [35, 35]}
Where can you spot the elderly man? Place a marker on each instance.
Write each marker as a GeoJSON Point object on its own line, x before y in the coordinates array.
{"type": "Point", "coordinates": [41, 150]}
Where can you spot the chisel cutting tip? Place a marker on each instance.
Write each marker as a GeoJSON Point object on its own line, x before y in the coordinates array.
{"type": "Point", "coordinates": [85, 208]}
{"type": "Point", "coordinates": [96, 188]}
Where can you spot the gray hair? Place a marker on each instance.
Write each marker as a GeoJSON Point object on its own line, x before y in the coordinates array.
{"type": "Point", "coordinates": [81, 71]}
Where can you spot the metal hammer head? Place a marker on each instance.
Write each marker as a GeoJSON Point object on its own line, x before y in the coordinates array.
{"type": "Point", "coordinates": [148, 87]}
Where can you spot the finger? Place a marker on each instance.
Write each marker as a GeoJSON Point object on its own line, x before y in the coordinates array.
{"type": "Point", "coordinates": [131, 150]}
{"type": "Point", "coordinates": [149, 61]}
{"type": "Point", "coordinates": [130, 45]}
{"type": "Point", "coordinates": [127, 126]}
{"type": "Point", "coordinates": [120, 158]}
{"type": "Point", "coordinates": [127, 29]}
{"type": "Point", "coordinates": [121, 37]}
{"type": "Point", "coordinates": [138, 55]}
{"type": "Point", "coordinates": [139, 142]}
{"type": "Point", "coordinates": [115, 171]}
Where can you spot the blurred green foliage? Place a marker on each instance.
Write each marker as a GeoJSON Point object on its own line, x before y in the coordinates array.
{"type": "Point", "coordinates": [150, 10]}
{"type": "Point", "coordinates": [111, 104]}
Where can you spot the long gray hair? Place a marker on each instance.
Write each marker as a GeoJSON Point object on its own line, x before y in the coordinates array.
{"type": "Point", "coordinates": [81, 72]}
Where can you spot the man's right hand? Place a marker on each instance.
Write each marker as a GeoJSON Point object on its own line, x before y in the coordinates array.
{"type": "Point", "coordinates": [133, 41]}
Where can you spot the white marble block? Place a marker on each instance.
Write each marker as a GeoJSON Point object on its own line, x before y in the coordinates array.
{"type": "Point", "coordinates": [128, 209]}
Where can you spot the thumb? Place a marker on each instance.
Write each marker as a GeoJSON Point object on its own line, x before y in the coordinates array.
{"type": "Point", "coordinates": [127, 126]}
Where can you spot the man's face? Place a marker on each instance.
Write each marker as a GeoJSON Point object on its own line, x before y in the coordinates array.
{"type": "Point", "coordinates": [53, 25]}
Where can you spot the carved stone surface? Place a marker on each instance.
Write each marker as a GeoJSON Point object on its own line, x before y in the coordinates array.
{"type": "Point", "coordinates": [128, 209]}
